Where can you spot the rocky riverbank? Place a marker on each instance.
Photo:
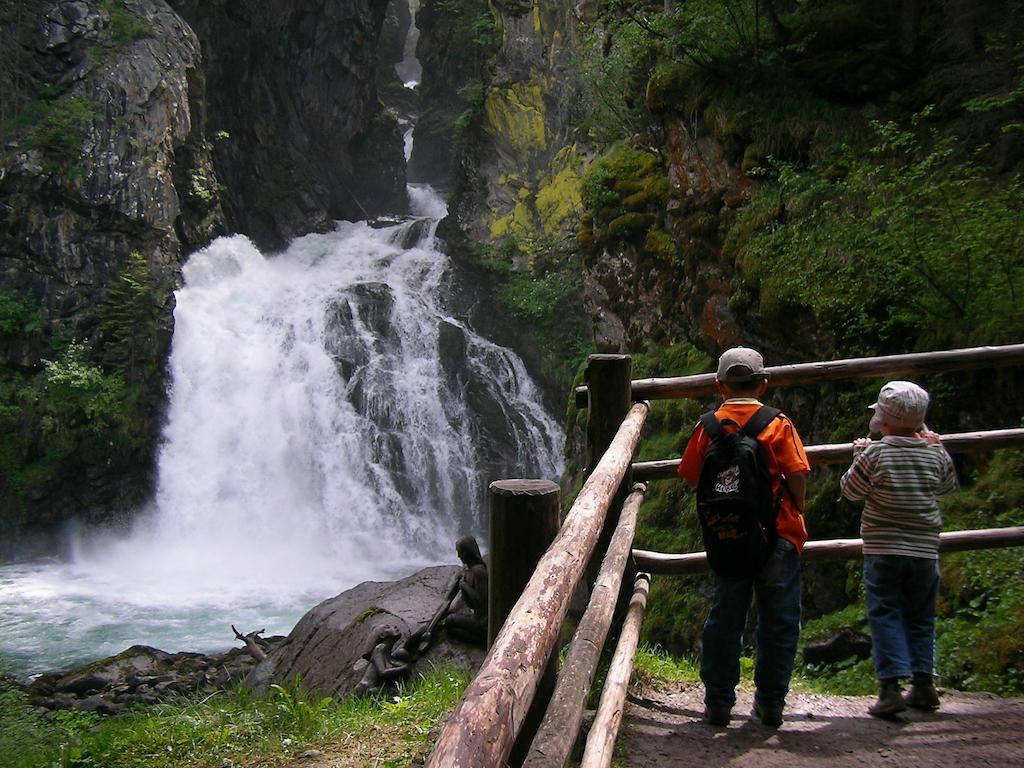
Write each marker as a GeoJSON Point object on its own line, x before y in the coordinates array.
{"type": "Point", "coordinates": [329, 651]}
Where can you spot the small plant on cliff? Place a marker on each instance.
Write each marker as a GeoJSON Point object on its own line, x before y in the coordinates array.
{"type": "Point", "coordinates": [61, 128]}
{"type": "Point", "coordinates": [80, 392]}
{"type": "Point", "coordinates": [18, 316]}
{"type": "Point", "coordinates": [124, 25]}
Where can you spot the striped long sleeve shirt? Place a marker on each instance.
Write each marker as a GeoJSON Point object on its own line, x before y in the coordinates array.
{"type": "Point", "coordinates": [900, 479]}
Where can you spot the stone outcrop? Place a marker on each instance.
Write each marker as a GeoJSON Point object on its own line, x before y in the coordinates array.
{"type": "Point", "coordinates": [112, 160]}
{"type": "Point", "coordinates": [141, 675]}
{"type": "Point", "coordinates": [327, 645]}
{"type": "Point", "coordinates": [95, 179]}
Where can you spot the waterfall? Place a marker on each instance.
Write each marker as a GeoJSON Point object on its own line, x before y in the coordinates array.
{"type": "Point", "coordinates": [328, 420]}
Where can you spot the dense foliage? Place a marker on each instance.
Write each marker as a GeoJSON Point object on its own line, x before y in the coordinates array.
{"type": "Point", "coordinates": [87, 404]}
{"type": "Point", "coordinates": [881, 215]}
{"type": "Point", "coordinates": [907, 243]}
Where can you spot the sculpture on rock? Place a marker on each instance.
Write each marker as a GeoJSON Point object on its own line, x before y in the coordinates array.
{"type": "Point", "coordinates": [378, 665]}
{"type": "Point", "coordinates": [469, 592]}
{"type": "Point", "coordinates": [472, 627]}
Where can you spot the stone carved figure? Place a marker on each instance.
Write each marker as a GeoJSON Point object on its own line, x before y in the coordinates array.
{"type": "Point", "coordinates": [472, 627]}
{"type": "Point", "coordinates": [463, 612]}
{"type": "Point", "coordinates": [377, 664]}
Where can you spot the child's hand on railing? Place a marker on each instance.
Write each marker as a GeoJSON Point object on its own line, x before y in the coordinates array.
{"type": "Point", "coordinates": [860, 444]}
{"type": "Point", "coordinates": [931, 437]}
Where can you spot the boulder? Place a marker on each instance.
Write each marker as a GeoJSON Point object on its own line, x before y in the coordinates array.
{"type": "Point", "coordinates": [329, 646]}
{"type": "Point", "coordinates": [844, 644]}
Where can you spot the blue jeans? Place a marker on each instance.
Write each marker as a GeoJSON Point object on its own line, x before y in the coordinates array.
{"type": "Point", "coordinates": [777, 589]}
{"type": "Point", "coordinates": [900, 593]}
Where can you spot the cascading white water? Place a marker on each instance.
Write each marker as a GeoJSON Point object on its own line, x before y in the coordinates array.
{"type": "Point", "coordinates": [328, 423]}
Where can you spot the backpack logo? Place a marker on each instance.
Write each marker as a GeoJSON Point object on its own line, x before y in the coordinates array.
{"type": "Point", "coordinates": [728, 481]}
{"type": "Point", "coordinates": [736, 503]}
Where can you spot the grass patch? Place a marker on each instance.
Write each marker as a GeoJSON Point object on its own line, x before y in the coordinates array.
{"type": "Point", "coordinates": [655, 667]}
{"type": "Point", "coordinates": [233, 728]}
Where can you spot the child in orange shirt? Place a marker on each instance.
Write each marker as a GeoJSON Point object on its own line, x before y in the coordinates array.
{"type": "Point", "coordinates": [741, 380]}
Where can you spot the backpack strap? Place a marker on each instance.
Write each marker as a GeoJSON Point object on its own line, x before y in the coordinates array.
{"type": "Point", "coordinates": [762, 417]}
{"type": "Point", "coordinates": [712, 426]}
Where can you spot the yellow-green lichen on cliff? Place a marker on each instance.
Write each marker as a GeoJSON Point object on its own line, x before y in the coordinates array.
{"type": "Point", "coordinates": [516, 114]}
{"type": "Point", "coordinates": [519, 222]}
{"type": "Point", "coordinates": [560, 193]}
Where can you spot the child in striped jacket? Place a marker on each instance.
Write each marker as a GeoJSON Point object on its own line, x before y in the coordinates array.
{"type": "Point", "coordinates": [900, 478]}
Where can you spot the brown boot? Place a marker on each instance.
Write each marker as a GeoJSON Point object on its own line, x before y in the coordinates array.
{"type": "Point", "coordinates": [922, 693]}
{"type": "Point", "coordinates": [889, 701]}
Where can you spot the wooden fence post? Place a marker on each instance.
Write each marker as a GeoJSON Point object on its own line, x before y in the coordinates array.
{"type": "Point", "coordinates": [524, 521]}
{"type": "Point", "coordinates": [609, 385]}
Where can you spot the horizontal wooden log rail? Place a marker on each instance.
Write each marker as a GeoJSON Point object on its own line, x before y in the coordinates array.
{"type": "Point", "coordinates": [484, 724]}
{"type": "Point", "coordinates": [557, 735]}
{"type": "Point", "coordinates": [853, 368]}
{"type": "Point", "coordinates": [835, 549]}
{"type": "Point", "coordinates": [839, 453]}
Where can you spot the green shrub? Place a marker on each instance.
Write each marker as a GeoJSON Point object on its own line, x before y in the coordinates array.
{"type": "Point", "coordinates": [124, 25]}
{"type": "Point", "coordinates": [129, 320]}
{"type": "Point", "coordinates": [981, 605]}
{"type": "Point", "coordinates": [17, 316]}
{"type": "Point", "coordinates": [59, 131]}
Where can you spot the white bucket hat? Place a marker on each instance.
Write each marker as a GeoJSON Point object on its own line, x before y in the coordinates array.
{"type": "Point", "coordinates": [900, 404]}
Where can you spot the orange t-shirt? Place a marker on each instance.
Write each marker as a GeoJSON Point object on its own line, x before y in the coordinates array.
{"type": "Point", "coordinates": [782, 448]}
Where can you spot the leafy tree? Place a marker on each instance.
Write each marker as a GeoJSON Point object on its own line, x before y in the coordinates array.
{"type": "Point", "coordinates": [81, 392]}
{"type": "Point", "coordinates": [907, 240]}
{"type": "Point", "coordinates": [129, 319]}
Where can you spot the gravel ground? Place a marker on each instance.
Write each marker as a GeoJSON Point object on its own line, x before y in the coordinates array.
{"type": "Point", "coordinates": [663, 728]}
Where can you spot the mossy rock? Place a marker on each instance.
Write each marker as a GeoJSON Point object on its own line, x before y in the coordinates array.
{"type": "Point", "coordinates": [753, 158]}
{"type": "Point", "coordinates": [668, 84]}
{"type": "Point", "coordinates": [586, 240]}
{"type": "Point", "coordinates": [659, 243]}
{"type": "Point", "coordinates": [628, 225]}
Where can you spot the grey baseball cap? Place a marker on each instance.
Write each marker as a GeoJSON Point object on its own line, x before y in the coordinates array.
{"type": "Point", "coordinates": [900, 404]}
{"type": "Point", "coordinates": [741, 364]}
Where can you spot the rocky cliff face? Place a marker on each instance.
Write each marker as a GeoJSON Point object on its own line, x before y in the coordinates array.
{"type": "Point", "coordinates": [108, 158]}
{"type": "Point", "coordinates": [94, 178]}
{"type": "Point", "coordinates": [506, 136]}
{"type": "Point", "coordinates": [498, 110]}
{"type": "Point", "coordinates": [291, 96]}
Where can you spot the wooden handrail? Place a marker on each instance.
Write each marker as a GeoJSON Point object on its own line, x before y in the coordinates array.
{"type": "Point", "coordinates": [490, 714]}
{"type": "Point", "coordinates": [838, 453]}
{"type": "Point", "coordinates": [833, 370]}
{"type": "Point", "coordinates": [557, 733]}
{"type": "Point", "coordinates": [836, 549]}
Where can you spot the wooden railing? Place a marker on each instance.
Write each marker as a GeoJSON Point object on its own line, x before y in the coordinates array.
{"type": "Point", "coordinates": [508, 714]}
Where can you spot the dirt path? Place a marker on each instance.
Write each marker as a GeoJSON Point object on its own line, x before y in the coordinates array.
{"type": "Point", "coordinates": [663, 728]}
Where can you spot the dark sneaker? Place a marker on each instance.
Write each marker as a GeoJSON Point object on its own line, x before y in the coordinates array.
{"type": "Point", "coordinates": [768, 714]}
{"type": "Point", "coordinates": [717, 715]}
{"type": "Point", "coordinates": [922, 693]}
{"type": "Point", "coordinates": [890, 702]}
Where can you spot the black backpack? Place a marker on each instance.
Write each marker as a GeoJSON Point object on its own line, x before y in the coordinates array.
{"type": "Point", "coordinates": [735, 503]}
